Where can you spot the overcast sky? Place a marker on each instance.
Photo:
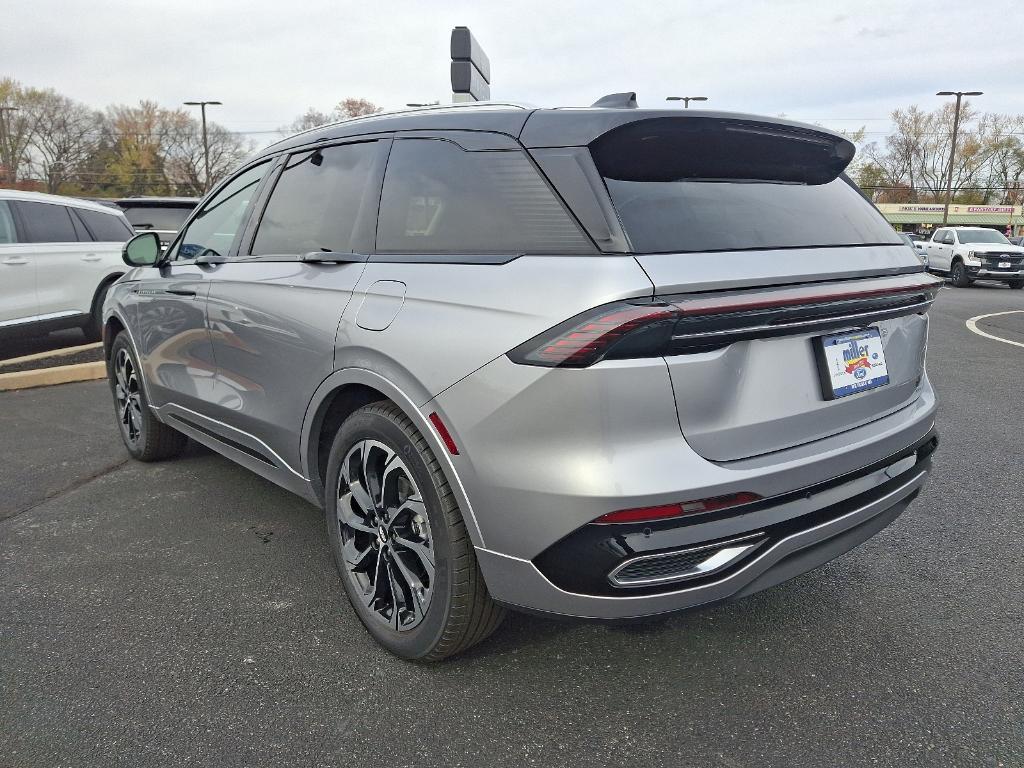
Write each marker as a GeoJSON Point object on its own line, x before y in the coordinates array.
{"type": "Point", "coordinates": [843, 64]}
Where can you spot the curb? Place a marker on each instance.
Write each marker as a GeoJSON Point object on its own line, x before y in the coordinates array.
{"type": "Point", "coordinates": [60, 374]}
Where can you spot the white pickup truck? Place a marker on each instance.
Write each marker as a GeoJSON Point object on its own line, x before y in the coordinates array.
{"type": "Point", "coordinates": [967, 254]}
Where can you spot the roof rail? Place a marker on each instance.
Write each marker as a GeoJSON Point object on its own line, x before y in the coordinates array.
{"type": "Point", "coordinates": [617, 101]}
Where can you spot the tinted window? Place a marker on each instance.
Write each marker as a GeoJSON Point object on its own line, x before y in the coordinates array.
{"type": "Point", "coordinates": [154, 217]}
{"type": "Point", "coordinates": [105, 227]}
{"type": "Point", "coordinates": [47, 223]}
{"type": "Point", "coordinates": [7, 231]}
{"type": "Point", "coordinates": [214, 228]}
{"type": "Point", "coordinates": [982, 236]}
{"type": "Point", "coordinates": [317, 201]}
{"type": "Point", "coordinates": [703, 184]}
{"type": "Point", "coordinates": [439, 199]}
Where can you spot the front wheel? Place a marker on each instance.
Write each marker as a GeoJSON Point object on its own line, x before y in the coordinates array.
{"type": "Point", "coordinates": [146, 438]}
{"type": "Point", "coordinates": [399, 540]}
{"type": "Point", "coordinates": [1016, 284]}
{"type": "Point", "coordinates": [958, 275]}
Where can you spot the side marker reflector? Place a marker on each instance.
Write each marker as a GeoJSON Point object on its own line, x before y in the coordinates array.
{"type": "Point", "coordinates": [444, 434]}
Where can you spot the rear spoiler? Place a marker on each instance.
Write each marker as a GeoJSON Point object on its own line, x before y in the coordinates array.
{"type": "Point", "coordinates": [821, 154]}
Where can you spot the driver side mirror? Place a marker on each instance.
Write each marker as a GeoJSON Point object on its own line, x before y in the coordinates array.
{"type": "Point", "coordinates": [143, 250]}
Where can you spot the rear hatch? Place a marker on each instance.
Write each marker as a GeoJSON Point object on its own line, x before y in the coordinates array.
{"type": "Point", "coordinates": [766, 254]}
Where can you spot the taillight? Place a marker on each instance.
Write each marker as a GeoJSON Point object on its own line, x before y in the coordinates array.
{"type": "Point", "coordinates": [666, 511]}
{"type": "Point", "coordinates": [587, 338]}
{"type": "Point", "coordinates": [698, 322]}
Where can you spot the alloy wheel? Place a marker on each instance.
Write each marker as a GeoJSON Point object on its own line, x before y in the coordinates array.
{"type": "Point", "coordinates": [128, 397]}
{"type": "Point", "coordinates": [386, 544]}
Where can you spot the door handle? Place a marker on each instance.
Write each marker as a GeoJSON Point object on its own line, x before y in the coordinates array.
{"type": "Point", "coordinates": [91, 257]}
{"type": "Point", "coordinates": [181, 292]}
{"type": "Point", "coordinates": [15, 260]}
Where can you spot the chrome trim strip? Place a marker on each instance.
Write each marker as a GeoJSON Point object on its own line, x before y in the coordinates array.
{"type": "Point", "coordinates": [269, 450]}
{"type": "Point", "coordinates": [726, 553]}
{"type": "Point", "coordinates": [41, 318]}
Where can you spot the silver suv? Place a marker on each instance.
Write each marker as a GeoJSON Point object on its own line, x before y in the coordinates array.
{"type": "Point", "coordinates": [605, 363]}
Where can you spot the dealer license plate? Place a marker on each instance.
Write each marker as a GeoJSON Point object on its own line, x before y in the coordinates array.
{"type": "Point", "coordinates": [851, 362]}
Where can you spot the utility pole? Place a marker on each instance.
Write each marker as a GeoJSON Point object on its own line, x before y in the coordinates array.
{"type": "Point", "coordinates": [952, 149]}
{"type": "Point", "coordinates": [686, 99]}
{"type": "Point", "coordinates": [206, 145]}
{"type": "Point", "coordinates": [4, 109]}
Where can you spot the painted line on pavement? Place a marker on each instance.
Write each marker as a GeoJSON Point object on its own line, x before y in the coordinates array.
{"type": "Point", "coordinates": [972, 326]}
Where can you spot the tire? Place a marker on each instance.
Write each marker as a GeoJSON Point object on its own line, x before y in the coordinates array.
{"type": "Point", "coordinates": [146, 438]}
{"type": "Point", "coordinates": [958, 275]}
{"type": "Point", "coordinates": [1016, 284]}
{"type": "Point", "coordinates": [384, 540]}
{"type": "Point", "coordinates": [93, 328]}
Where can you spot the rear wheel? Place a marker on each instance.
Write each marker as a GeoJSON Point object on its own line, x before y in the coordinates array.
{"type": "Point", "coordinates": [958, 275]}
{"type": "Point", "coordinates": [146, 438]}
{"type": "Point", "coordinates": [400, 542]}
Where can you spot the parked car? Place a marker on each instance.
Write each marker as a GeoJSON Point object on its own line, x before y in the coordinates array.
{"type": "Point", "coordinates": [163, 215]}
{"type": "Point", "coordinates": [58, 257]}
{"type": "Point", "coordinates": [967, 254]}
{"type": "Point", "coordinates": [916, 245]}
{"type": "Point", "coordinates": [528, 358]}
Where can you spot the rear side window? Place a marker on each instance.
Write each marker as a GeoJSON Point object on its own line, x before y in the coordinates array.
{"type": "Point", "coordinates": [7, 231]}
{"type": "Point", "coordinates": [105, 227]}
{"type": "Point", "coordinates": [438, 198]}
{"type": "Point", "coordinates": [47, 223]}
{"type": "Point", "coordinates": [698, 184]}
{"type": "Point", "coordinates": [317, 201]}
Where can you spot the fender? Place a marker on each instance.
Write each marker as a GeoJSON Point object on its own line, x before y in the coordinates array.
{"type": "Point", "coordinates": [390, 390]}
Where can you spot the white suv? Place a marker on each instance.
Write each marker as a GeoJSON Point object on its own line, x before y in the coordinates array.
{"type": "Point", "coordinates": [58, 257]}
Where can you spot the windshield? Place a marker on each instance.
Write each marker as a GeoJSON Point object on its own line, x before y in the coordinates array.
{"type": "Point", "coordinates": [981, 236]}
{"type": "Point", "coordinates": [162, 219]}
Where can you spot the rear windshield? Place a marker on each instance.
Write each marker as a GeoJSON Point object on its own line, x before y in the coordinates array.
{"type": "Point", "coordinates": [167, 219]}
{"type": "Point", "coordinates": [679, 185]}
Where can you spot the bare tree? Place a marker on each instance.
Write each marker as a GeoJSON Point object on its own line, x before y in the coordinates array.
{"type": "Point", "coordinates": [17, 128]}
{"type": "Point", "coordinates": [66, 134]}
{"type": "Point", "coordinates": [344, 109]}
{"type": "Point", "coordinates": [183, 152]}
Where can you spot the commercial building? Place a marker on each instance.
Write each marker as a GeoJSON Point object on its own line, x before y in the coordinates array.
{"type": "Point", "coordinates": [922, 217]}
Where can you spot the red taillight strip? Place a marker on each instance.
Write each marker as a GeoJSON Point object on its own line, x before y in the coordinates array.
{"type": "Point", "coordinates": [667, 511]}
{"type": "Point", "coordinates": [805, 294]}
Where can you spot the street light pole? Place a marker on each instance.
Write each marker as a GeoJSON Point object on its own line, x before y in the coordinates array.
{"type": "Point", "coordinates": [206, 145]}
{"type": "Point", "coordinates": [952, 149]}
{"type": "Point", "coordinates": [4, 109]}
{"type": "Point", "coordinates": [686, 99]}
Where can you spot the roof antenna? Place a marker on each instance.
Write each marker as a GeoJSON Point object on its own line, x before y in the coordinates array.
{"type": "Point", "coordinates": [617, 101]}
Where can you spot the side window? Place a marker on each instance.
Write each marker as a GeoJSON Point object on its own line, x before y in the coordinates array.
{"type": "Point", "coordinates": [317, 201]}
{"type": "Point", "coordinates": [214, 228]}
{"type": "Point", "coordinates": [105, 227]}
{"type": "Point", "coordinates": [47, 223]}
{"type": "Point", "coordinates": [950, 238]}
{"type": "Point", "coordinates": [7, 231]}
{"type": "Point", "coordinates": [438, 198]}
{"type": "Point", "coordinates": [939, 235]}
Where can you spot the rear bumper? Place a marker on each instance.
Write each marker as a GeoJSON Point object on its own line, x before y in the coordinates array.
{"type": "Point", "coordinates": [793, 548]}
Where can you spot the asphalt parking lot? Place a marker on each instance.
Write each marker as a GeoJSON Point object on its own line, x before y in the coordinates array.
{"type": "Point", "coordinates": [188, 613]}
